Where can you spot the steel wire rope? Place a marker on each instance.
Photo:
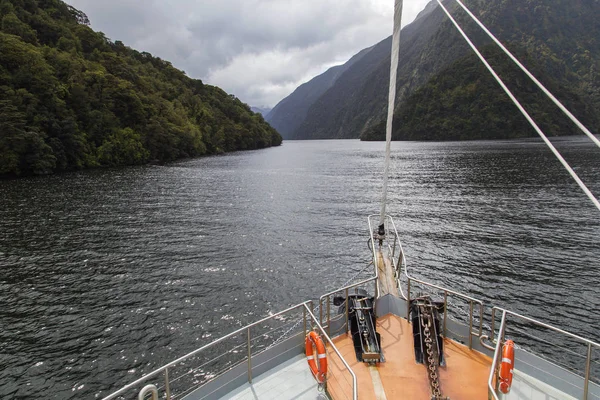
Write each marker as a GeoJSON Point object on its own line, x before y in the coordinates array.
{"type": "Point", "coordinates": [535, 126]}
{"type": "Point", "coordinates": [547, 92]}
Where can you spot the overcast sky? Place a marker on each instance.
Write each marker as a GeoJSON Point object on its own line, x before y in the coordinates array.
{"type": "Point", "coordinates": [259, 50]}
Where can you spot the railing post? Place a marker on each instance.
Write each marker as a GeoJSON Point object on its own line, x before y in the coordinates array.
{"type": "Point", "coordinates": [470, 324]}
{"type": "Point", "coordinates": [408, 302]}
{"type": "Point", "coordinates": [376, 285]}
{"type": "Point", "coordinates": [400, 263]}
{"type": "Point", "coordinates": [249, 359]}
{"type": "Point", "coordinates": [493, 329]}
{"type": "Point", "coordinates": [309, 317]}
{"type": "Point", "coordinates": [328, 316]}
{"type": "Point", "coordinates": [445, 311]}
{"type": "Point", "coordinates": [347, 312]}
{"type": "Point", "coordinates": [167, 384]}
{"type": "Point", "coordinates": [320, 311]}
{"type": "Point", "coordinates": [588, 362]}
{"type": "Point", "coordinates": [304, 320]}
{"type": "Point", "coordinates": [480, 319]}
{"type": "Point", "coordinates": [500, 343]}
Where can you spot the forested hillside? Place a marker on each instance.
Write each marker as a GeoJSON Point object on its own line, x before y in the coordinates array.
{"type": "Point", "coordinates": [559, 37]}
{"type": "Point", "coordinates": [71, 98]}
{"type": "Point", "coordinates": [464, 102]}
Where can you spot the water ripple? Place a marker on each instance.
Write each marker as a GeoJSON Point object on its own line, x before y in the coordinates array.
{"type": "Point", "coordinates": [107, 274]}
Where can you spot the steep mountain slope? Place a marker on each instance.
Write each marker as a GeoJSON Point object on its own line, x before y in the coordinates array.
{"type": "Point", "coordinates": [464, 102]}
{"type": "Point", "coordinates": [561, 37]}
{"type": "Point", "coordinates": [70, 98]}
{"type": "Point", "coordinates": [358, 97]}
{"type": "Point", "coordinates": [289, 113]}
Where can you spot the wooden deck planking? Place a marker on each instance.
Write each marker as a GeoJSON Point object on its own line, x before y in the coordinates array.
{"type": "Point", "coordinates": [387, 282]}
{"type": "Point", "coordinates": [464, 377]}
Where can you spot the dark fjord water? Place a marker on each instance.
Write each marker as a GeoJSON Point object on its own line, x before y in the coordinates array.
{"type": "Point", "coordinates": [105, 275]}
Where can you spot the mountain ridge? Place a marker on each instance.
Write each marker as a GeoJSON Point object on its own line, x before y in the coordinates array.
{"type": "Point", "coordinates": [289, 112]}
{"type": "Point", "coordinates": [559, 38]}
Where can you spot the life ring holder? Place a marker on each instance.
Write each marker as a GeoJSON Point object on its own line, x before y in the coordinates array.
{"type": "Point", "coordinates": [507, 366]}
{"type": "Point", "coordinates": [317, 366]}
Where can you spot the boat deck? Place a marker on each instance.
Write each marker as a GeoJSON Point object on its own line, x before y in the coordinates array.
{"type": "Point", "coordinates": [400, 377]}
{"type": "Point", "coordinates": [290, 380]}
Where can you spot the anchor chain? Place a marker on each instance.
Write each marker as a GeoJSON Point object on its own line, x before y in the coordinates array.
{"type": "Point", "coordinates": [432, 356]}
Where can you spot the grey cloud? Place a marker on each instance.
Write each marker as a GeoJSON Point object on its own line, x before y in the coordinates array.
{"type": "Point", "coordinates": [260, 50]}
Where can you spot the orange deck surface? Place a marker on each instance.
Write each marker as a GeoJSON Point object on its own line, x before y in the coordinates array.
{"type": "Point", "coordinates": [464, 376]}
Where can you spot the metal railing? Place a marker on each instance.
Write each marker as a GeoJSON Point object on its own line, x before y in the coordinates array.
{"type": "Point", "coordinates": [396, 252]}
{"type": "Point", "coordinates": [493, 378]}
{"type": "Point", "coordinates": [346, 291]}
{"type": "Point", "coordinates": [337, 352]}
{"type": "Point", "coordinates": [168, 379]}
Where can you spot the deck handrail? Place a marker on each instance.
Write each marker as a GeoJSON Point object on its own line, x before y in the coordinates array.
{"type": "Point", "coordinates": [397, 244]}
{"type": "Point", "coordinates": [342, 289]}
{"type": "Point", "coordinates": [164, 369]}
{"type": "Point", "coordinates": [307, 308]}
{"type": "Point", "coordinates": [501, 332]}
{"type": "Point", "coordinates": [493, 368]}
{"type": "Point", "coordinates": [328, 339]}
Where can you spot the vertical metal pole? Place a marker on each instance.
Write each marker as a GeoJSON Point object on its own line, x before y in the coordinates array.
{"type": "Point", "coordinates": [408, 302]}
{"type": "Point", "coordinates": [376, 286]}
{"type": "Point", "coordinates": [304, 320]}
{"type": "Point", "coordinates": [249, 359]}
{"type": "Point", "coordinates": [328, 316]}
{"type": "Point", "coordinates": [347, 312]}
{"type": "Point", "coordinates": [493, 321]}
{"type": "Point", "coordinates": [445, 311]}
{"type": "Point", "coordinates": [470, 324]}
{"type": "Point", "coordinates": [399, 265]}
{"type": "Point", "coordinates": [394, 248]}
{"type": "Point", "coordinates": [501, 336]}
{"type": "Point", "coordinates": [501, 331]}
{"type": "Point", "coordinates": [320, 312]}
{"type": "Point", "coordinates": [167, 384]}
{"type": "Point", "coordinates": [586, 382]}
{"type": "Point", "coordinates": [480, 319]}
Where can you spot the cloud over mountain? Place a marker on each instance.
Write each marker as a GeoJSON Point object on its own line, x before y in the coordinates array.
{"type": "Point", "coordinates": [260, 50]}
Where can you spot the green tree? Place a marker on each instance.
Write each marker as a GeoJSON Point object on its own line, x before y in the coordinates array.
{"type": "Point", "coordinates": [74, 99]}
{"type": "Point", "coordinates": [124, 147]}
{"type": "Point", "coordinates": [22, 151]}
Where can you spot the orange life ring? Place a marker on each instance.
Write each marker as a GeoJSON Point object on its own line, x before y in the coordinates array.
{"type": "Point", "coordinates": [506, 368]}
{"type": "Point", "coordinates": [319, 370]}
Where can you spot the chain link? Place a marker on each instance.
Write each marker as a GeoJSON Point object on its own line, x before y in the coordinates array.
{"type": "Point", "coordinates": [432, 356]}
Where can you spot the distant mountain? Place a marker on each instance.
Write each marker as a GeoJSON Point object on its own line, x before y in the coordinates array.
{"type": "Point", "coordinates": [561, 38]}
{"type": "Point", "coordinates": [464, 102]}
{"type": "Point", "coordinates": [70, 98]}
{"type": "Point", "coordinates": [264, 111]}
{"type": "Point", "coordinates": [357, 97]}
{"type": "Point", "coordinates": [290, 112]}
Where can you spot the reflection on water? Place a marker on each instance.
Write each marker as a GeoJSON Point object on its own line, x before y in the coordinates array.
{"type": "Point", "coordinates": [105, 275]}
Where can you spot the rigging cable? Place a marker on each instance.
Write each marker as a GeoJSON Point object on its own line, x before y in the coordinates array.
{"type": "Point", "coordinates": [391, 103]}
{"type": "Point", "coordinates": [523, 111]}
{"type": "Point", "coordinates": [532, 77]}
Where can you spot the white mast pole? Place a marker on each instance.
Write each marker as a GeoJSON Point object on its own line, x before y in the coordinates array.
{"type": "Point", "coordinates": [391, 103]}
